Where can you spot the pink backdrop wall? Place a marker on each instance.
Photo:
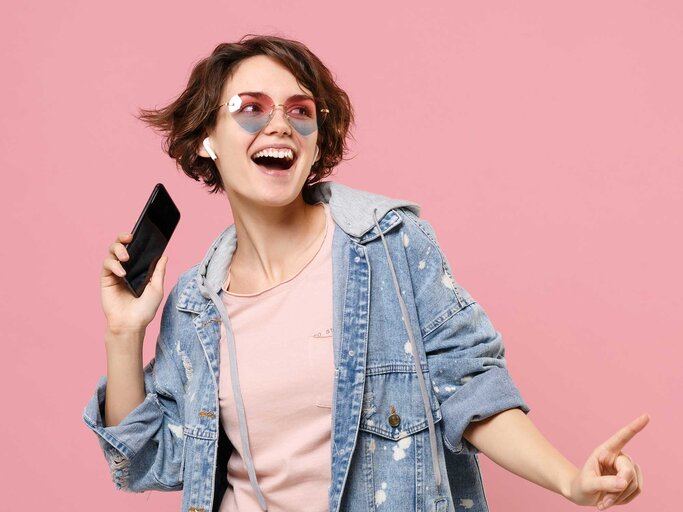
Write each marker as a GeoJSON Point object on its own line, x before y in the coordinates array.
{"type": "Point", "coordinates": [543, 140]}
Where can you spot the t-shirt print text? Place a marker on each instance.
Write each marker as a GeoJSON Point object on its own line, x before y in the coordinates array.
{"type": "Point", "coordinates": [323, 333]}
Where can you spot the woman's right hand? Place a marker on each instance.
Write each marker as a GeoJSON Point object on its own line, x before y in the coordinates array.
{"type": "Point", "coordinates": [124, 311]}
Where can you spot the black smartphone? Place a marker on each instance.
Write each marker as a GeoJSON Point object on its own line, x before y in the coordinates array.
{"type": "Point", "coordinates": [151, 234]}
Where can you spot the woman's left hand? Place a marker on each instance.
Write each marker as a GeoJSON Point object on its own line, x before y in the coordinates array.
{"type": "Point", "coordinates": [609, 476]}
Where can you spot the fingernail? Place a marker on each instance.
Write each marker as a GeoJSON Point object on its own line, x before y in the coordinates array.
{"type": "Point", "coordinates": [608, 502]}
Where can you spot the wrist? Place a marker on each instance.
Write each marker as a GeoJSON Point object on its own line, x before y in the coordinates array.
{"type": "Point", "coordinates": [124, 329]}
{"type": "Point", "coordinates": [566, 481]}
{"type": "Point", "coordinates": [124, 341]}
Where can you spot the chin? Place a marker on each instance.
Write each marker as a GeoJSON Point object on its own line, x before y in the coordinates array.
{"type": "Point", "coordinates": [278, 195]}
{"type": "Point", "coordinates": [274, 189]}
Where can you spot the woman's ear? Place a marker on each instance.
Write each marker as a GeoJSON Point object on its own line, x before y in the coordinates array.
{"type": "Point", "coordinates": [206, 150]}
{"type": "Point", "coordinates": [201, 151]}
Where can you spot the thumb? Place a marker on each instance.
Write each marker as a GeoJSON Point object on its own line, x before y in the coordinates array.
{"type": "Point", "coordinates": [607, 484]}
{"type": "Point", "coordinates": [159, 272]}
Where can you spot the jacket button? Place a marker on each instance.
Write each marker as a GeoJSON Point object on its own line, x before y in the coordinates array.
{"type": "Point", "coordinates": [394, 419]}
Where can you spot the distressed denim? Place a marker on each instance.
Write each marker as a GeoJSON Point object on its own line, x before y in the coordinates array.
{"type": "Point", "coordinates": [382, 458]}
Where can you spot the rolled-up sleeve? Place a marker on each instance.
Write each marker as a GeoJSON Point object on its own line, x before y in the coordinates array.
{"type": "Point", "coordinates": [469, 373]}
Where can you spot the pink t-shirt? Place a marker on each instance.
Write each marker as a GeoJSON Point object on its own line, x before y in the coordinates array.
{"type": "Point", "coordinates": [283, 339]}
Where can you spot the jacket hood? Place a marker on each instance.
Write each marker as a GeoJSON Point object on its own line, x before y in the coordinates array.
{"type": "Point", "coordinates": [351, 209]}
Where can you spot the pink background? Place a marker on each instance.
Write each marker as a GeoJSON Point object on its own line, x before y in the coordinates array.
{"type": "Point", "coordinates": [543, 140]}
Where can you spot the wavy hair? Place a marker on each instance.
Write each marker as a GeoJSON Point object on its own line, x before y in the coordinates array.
{"type": "Point", "coordinates": [185, 122]}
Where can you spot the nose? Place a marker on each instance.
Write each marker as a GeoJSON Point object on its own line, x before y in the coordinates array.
{"type": "Point", "coordinates": [278, 121]}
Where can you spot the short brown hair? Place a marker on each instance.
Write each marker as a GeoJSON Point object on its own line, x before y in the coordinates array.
{"type": "Point", "coordinates": [184, 122]}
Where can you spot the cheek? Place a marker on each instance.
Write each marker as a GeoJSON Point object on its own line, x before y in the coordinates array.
{"type": "Point", "coordinates": [310, 148]}
{"type": "Point", "coordinates": [233, 144]}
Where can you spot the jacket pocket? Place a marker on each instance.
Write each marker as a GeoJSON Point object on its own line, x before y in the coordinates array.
{"type": "Point", "coordinates": [394, 448]}
{"type": "Point", "coordinates": [393, 406]}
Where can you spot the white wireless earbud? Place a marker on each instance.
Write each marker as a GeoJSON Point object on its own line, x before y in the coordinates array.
{"type": "Point", "coordinates": [209, 149]}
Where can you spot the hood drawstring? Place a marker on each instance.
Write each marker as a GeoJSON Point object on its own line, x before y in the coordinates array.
{"type": "Point", "coordinates": [237, 394]}
{"type": "Point", "coordinates": [416, 360]}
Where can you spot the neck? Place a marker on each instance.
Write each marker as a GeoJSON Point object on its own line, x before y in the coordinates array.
{"type": "Point", "coordinates": [271, 241]}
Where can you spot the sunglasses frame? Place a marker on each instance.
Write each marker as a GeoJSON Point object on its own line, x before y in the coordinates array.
{"type": "Point", "coordinates": [324, 111]}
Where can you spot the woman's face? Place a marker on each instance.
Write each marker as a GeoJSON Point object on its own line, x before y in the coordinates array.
{"type": "Point", "coordinates": [244, 180]}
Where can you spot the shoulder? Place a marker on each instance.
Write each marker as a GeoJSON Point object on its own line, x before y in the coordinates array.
{"type": "Point", "coordinates": [183, 282]}
{"type": "Point", "coordinates": [180, 295]}
{"type": "Point", "coordinates": [418, 226]}
{"type": "Point", "coordinates": [428, 263]}
{"type": "Point", "coordinates": [186, 277]}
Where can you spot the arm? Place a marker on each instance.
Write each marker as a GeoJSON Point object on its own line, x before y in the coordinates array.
{"type": "Point", "coordinates": [512, 441]}
{"type": "Point", "coordinates": [609, 476]}
{"type": "Point", "coordinates": [127, 319]}
{"type": "Point", "coordinates": [125, 375]}
{"type": "Point", "coordinates": [144, 447]}
{"type": "Point", "coordinates": [482, 408]}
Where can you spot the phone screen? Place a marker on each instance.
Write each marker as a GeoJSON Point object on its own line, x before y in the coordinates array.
{"type": "Point", "coordinates": [151, 234]}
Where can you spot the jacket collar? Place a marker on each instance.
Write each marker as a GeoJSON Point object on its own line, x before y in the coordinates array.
{"type": "Point", "coordinates": [351, 210]}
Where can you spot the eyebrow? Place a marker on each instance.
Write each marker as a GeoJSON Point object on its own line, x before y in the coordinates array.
{"type": "Point", "coordinates": [294, 97]}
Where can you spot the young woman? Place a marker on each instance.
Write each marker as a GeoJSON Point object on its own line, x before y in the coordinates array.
{"type": "Point", "coordinates": [321, 356]}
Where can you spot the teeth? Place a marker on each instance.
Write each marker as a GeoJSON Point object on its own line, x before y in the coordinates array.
{"type": "Point", "coordinates": [275, 153]}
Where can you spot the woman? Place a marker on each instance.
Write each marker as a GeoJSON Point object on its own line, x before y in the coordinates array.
{"type": "Point", "coordinates": [284, 376]}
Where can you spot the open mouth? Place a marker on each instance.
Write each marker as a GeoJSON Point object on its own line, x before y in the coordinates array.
{"type": "Point", "coordinates": [274, 163]}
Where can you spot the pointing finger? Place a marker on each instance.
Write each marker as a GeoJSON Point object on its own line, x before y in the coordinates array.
{"type": "Point", "coordinates": [625, 434]}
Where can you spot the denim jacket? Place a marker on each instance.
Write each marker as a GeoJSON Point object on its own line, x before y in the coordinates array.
{"type": "Point", "coordinates": [397, 426]}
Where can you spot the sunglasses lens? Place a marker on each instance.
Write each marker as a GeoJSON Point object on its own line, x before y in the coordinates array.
{"type": "Point", "coordinates": [252, 112]}
{"type": "Point", "coordinates": [301, 114]}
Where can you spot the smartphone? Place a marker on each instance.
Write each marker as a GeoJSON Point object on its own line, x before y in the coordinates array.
{"type": "Point", "coordinates": [151, 234]}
